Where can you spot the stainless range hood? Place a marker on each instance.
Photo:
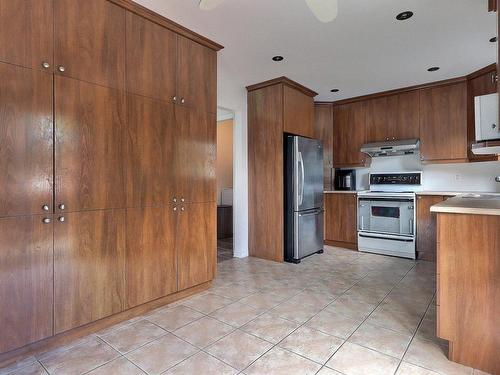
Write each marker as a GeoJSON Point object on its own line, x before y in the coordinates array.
{"type": "Point", "coordinates": [391, 148]}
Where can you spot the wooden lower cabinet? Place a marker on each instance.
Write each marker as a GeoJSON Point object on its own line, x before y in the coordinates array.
{"type": "Point", "coordinates": [89, 267]}
{"type": "Point", "coordinates": [196, 244]}
{"type": "Point", "coordinates": [151, 261]}
{"type": "Point", "coordinates": [341, 220]}
{"type": "Point", "coordinates": [426, 226]}
{"type": "Point", "coordinates": [26, 281]}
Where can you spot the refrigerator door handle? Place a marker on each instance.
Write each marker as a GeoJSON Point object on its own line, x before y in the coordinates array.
{"type": "Point", "coordinates": [314, 213]}
{"type": "Point", "coordinates": [301, 189]}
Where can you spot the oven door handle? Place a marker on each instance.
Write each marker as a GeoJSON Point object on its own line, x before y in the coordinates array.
{"type": "Point", "coordinates": [386, 238]}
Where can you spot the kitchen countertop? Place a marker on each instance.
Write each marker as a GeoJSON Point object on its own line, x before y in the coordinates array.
{"type": "Point", "coordinates": [473, 204]}
{"type": "Point", "coordinates": [424, 192]}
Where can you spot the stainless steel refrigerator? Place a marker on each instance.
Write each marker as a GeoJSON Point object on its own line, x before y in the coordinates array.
{"type": "Point", "coordinates": [304, 214]}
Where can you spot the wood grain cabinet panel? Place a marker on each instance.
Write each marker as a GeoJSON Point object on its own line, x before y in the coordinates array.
{"type": "Point", "coordinates": [195, 157]}
{"type": "Point", "coordinates": [89, 267]}
{"type": "Point", "coordinates": [324, 131]}
{"type": "Point", "coordinates": [151, 59]}
{"type": "Point", "coordinates": [426, 227]}
{"type": "Point", "coordinates": [26, 141]}
{"type": "Point", "coordinates": [341, 219]}
{"type": "Point", "coordinates": [406, 124]}
{"type": "Point", "coordinates": [90, 153]}
{"type": "Point", "coordinates": [152, 132]}
{"type": "Point", "coordinates": [298, 113]}
{"type": "Point", "coordinates": [26, 281]}
{"type": "Point", "coordinates": [90, 41]}
{"type": "Point", "coordinates": [443, 123]}
{"type": "Point", "coordinates": [196, 76]}
{"type": "Point", "coordinates": [27, 37]}
{"type": "Point", "coordinates": [349, 134]}
{"type": "Point", "coordinates": [151, 261]}
{"type": "Point", "coordinates": [196, 244]}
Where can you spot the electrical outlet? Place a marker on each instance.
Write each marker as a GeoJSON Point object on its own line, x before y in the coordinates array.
{"type": "Point", "coordinates": [458, 177]}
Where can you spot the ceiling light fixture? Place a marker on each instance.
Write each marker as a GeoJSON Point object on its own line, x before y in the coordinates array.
{"type": "Point", "coordinates": [334, 90]}
{"type": "Point", "coordinates": [433, 69]}
{"type": "Point", "coordinates": [403, 16]}
{"type": "Point", "coordinates": [278, 58]}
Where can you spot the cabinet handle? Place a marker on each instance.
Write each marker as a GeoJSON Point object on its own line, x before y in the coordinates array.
{"type": "Point", "coordinates": [183, 209]}
{"type": "Point", "coordinates": [46, 220]}
{"type": "Point", "coordinates": [45, 65]}
{"type": "Point", "coordinates": [493, 126]}
{"type": "Point", "coordinates": [175, 209]}
{"type": "Point", "coordinates": [61, 68]}
{"type": "Point", "coordinates": [393, 138]}
{"type": "Point", "coordinates": [182, 200]}
{"type": "Point", "coordinates": [183, 100]}
{"type": "Point", "coordinates": [174, 98]}
{"type": "Point", "coordinates": [174, 200]}
{"type": "Point", "coordinates": [62, 206]}
{"type": "Point", "coordinates": [62, 219]}
{"type": "Point", "coordinates": [45, 207]}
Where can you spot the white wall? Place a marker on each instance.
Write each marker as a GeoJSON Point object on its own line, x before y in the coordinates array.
{"type": "Point", "coordinates": [232, 96]}
{"type": "Point", "coordinates": [438, 177]}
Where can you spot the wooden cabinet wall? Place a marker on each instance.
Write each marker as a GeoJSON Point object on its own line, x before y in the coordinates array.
{"type": "Point", "coordinates": [323, 117]}
{"type": "Point", "coordinates": [341, 220]}
{"type": "Point", "coordinates": [298, 112]}
{"type": "Point", "coordinates": [266, 128]}
{"type": "Point", "coordinates": [108, 161]}
{"type": "Point", "coordinates": [443, 123]}
{"type": "Point", "coordinates": [426, 226]}
{"type": "Point", "coordinates": [349, 134]}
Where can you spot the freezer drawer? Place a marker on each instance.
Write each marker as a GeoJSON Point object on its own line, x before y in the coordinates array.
{"type": "Point", "coordinates": [308, 233]}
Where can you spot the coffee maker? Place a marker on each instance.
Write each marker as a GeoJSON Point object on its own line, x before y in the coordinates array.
{"type": "Point", "coordinates": [345, 179]}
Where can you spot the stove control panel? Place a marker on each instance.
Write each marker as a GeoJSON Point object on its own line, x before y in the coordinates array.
{"type": "Point", "coordinates": [406, 178]}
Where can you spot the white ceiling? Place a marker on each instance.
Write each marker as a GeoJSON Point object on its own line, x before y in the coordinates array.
{"type": "Point", "coordinates": [364, 50]}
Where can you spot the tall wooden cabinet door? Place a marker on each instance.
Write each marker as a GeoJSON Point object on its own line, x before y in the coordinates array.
{"type": "Point", "coordinates": [426, 227]}
{"type": "Point", "coordinates": [406, 120]}
{"type": "Point", "coordinates": [26, 141]}
{"type": "Point", "coordinates": [341, 217]}
{"type": "Point", "coordinates": [443, 123]}
{"type": "Point", "coordinates": [324, 131]}
{"type": "Point", "coordinates": [151, 59]}
{"type": "Point", "coordinates": [196, 155]}
{"type": "Point", "coordinates": [196, 244]}
{"type": "Point", "coordinates": [89, 267]}
{"type": "Point", "coordinates": [298, 113]}
{"type": "Point", "coordinates": [151, 261]}
{"type": "Point", "coordinates": [90, 155]}
{"type": "Point", "coordinates": [90, 41]}
{"type": "Point", "coordinates": [152, 132]}
{"type": "Point", "coordinates": [379, 119]}
{"type": "Point", "coordinates": [196, 75]}
{"type": "Point", "coordinates": [349, 134]}
{"type": "Point", "coordinates": [26, 36]}
{"type": "Point", "coordinates": [26, 280]}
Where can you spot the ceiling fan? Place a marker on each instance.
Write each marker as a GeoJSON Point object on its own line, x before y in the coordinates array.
{"type": "Point", "coordinates": [324, 10]}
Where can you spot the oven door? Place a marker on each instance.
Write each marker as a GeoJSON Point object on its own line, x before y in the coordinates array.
{"type": "Point", "coordinates": [393, 216]}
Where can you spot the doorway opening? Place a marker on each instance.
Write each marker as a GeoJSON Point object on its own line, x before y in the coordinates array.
{"type": "Point", "coordinates": [224, 171]}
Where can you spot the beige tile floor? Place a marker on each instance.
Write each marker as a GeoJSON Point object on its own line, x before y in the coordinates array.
{"type": "Point", "coordinates": [342, 312]}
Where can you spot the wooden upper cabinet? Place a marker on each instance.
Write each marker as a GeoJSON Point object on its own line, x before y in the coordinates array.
{"type": "Point", "coordinates": [89, 267]}
{"type": "Point", "coordinates": [195, 155]}
{"type": "Point", "coordinates": [324, 131]}
{"type": "Point", "coordinates": [349, 134]}
{"type": "Point", "coordinates": [90, 41]}
{"type": "Point", "coordinates": [298, 113]}
{"type": "Point", "coordinates": [152, 137]}
{"type": "Point", "coordinates": [443, 123]}
{"type": "Point", "coordinates": [26, 141]}
{"type": "Point", "coordinates": [151, 259]}
{"type": "Point", "coordinates": [26, 281]}
{"type": "Point", "coordinates": [151, 59]}
{"type": "Point", "coordinates": [196, 75]}
{"type": "Point", "coordinates": [26, 36]}
{"type": "Point", "coordinates": [90, 148]}
{"type": "Point", "coordinates": [393, 117]}
{"type": "Point", "coordinates": [196, 244]}
{"type": "Point", "coordinates": [483, 84]}
{"type": "Point", "coordinates": [341, 218]}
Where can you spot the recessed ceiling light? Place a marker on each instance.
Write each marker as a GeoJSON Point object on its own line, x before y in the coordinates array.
{"type": "Point", "coordinates": [493, 40]}
{"type": "Point", "coordinates": [404, 15]}
{"type": "Point", "coordinates": [433, 69]}
{"type": "Point", "coordinates": [278, 58]}
{"type": "Point", "coordinates": [334, 90]}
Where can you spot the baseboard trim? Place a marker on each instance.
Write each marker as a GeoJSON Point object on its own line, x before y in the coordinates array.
{"type": "Point", "coordinates": [63, 338]}
{"type": "Point", "coordinates": [345, 245]}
